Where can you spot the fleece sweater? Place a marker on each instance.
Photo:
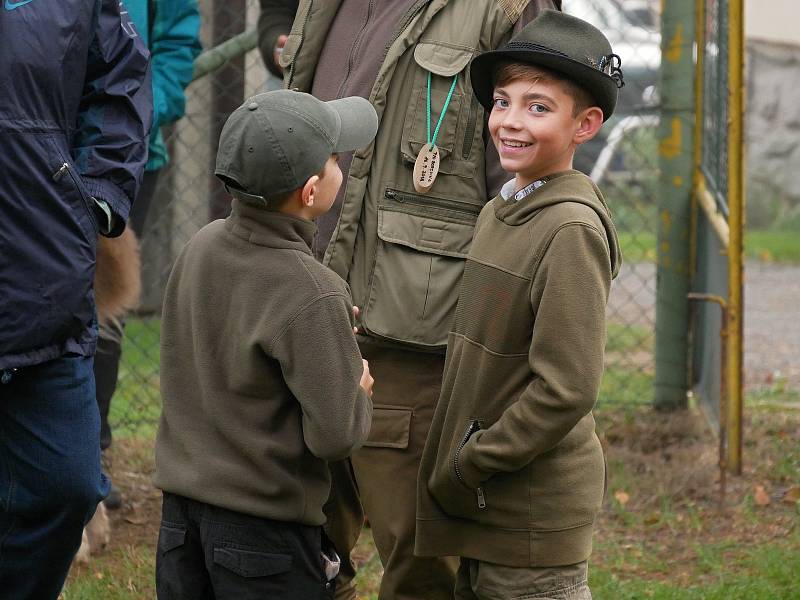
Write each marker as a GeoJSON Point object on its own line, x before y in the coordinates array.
{"type": "Point", "coordinates": [259, 370]}
{"type": "Point", "coordinates": [513, 472]}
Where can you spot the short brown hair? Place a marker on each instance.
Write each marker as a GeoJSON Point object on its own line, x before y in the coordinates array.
{"type": "Point", "coordinates": [507, 72]}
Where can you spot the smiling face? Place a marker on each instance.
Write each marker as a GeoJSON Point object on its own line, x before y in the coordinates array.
{"type": "Point", "coordinates": [536, 129]}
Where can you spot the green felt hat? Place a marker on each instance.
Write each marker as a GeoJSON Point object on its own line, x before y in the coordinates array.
{"type": "Point", "coordinates": [562, 43]}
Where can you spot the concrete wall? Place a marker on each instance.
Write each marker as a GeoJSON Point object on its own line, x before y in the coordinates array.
{"type": "Point", "coordinates": [772, 122]}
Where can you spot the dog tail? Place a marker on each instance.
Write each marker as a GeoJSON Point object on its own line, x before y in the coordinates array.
{"type": "Point", "coordinates": [117, 279]}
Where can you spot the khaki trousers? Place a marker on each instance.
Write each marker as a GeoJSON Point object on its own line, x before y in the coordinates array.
{"type": "Point", "coordinates": [479, 580]}
{"type": "Point", "coordinates": [383, 475]}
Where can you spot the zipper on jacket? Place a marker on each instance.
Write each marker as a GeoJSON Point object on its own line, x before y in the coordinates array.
{"type": "Point", "coordinates": [428, 201]}
{"type": "Point", "coordinates": [354, 50]}
{"type": "Point", "coordinates": [469, 133]}
{"type": "Point", "coordinates": [58, 175]}
{"type": "Point", "coordinates": [473, 426]}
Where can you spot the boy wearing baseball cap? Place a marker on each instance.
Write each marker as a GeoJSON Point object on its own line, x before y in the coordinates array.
{"type": "Point", "coordinates": [261, 378]}
{"type": "Point", "coordinates": [512, 475]}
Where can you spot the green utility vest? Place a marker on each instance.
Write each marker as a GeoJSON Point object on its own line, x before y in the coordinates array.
{"type": "Point", "coordinates": [403, 252]}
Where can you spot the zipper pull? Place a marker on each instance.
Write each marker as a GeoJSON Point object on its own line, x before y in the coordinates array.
{"type": "Point", "coordinates": [60, 173]}
{"type": "Point", "coordinates": [391, 194]}
{"type": "Point", "coordinates": [481, 498]}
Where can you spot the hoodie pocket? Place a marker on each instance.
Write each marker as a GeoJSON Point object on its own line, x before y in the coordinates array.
{"type": "Point", "coordinates": [423, 242]}
{"type": "Point", "coordinates": [473, 427]}
{"type": "Point", "coordinates": [446, 484]}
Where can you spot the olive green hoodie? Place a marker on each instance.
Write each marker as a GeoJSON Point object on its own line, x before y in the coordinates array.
{"type": "Point", "coordinates": [513, 472]}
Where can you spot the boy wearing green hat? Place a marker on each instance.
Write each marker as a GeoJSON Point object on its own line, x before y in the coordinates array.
{"type": "Point", "coordinates": [513, 475]}
{"type": "Point", "coordinates": [262, 381]}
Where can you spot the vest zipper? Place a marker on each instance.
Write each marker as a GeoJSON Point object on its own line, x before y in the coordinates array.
{"type": "Point", "coordinates": [469, 133]}
{"type": "Point", "coordinates": [428, 201]}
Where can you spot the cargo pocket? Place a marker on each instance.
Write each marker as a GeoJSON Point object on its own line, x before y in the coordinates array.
{"type": "Point", "coordinates": [422, 245]}
{"type": "Point", "coordinates": [459, 130]}
{"type": "Point", "coordinates": [391, 426]}
{"type": "Point", "coordinates": [249, 563]}
{"type": "Point", "coordinates": [170, 538]}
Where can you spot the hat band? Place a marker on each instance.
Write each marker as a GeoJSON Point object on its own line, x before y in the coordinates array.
{"type": "Point", "coordinates": [520, 45]}
{"type": "Point", "coordinates": [609, 64]}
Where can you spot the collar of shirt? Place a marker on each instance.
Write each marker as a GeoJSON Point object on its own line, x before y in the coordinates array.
{"type": "Point", "coordinates": [509, 190]}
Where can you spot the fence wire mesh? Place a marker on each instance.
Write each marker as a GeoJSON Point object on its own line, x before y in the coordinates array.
{"type": "Point", "coordinates": [624, 162]}
{"type": "Point", "coordinates": [712, 264]}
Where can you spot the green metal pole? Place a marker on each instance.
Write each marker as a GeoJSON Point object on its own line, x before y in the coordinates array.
{"type": "Point", "coordinates": [676, 146]}
{"type": "Point", "coordinates": [211, 60]}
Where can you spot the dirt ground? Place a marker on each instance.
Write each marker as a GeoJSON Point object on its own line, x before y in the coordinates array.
{"type": "Point", "coordinates": [662, 510]}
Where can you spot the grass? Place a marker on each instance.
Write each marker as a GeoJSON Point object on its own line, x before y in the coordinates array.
{"type": "Point", "coordinates": [126, 573]}
{"type": "Point", "coordinates": [137, 401]}
{"type": "Point", "coordinates": [765, 572]}
{"type": "Point", "coordinates": [777, 246]}
{"type": "Point", "coordinates": [661, 534]}
{"type": "Point", "coordinates": [665, 539]}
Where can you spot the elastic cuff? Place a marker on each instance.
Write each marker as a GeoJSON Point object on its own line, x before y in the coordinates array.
{"type": "Point", "coordinates": [118, 202]}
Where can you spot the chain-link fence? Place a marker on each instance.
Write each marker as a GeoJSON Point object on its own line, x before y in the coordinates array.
{"type": "Point", "coordinates": [624, 163]}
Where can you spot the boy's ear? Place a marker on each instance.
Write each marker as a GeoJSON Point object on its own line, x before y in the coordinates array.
{"type": "Point", "coordinates": [309, 191]}
{"type": "Point", "coordinates": [590, 120]}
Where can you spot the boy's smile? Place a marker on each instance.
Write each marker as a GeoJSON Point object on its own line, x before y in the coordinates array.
{"type": "Point", "coordinates": [533, 127]}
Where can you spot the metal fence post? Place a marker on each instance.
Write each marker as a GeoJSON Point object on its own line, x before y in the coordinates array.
{"type": "Point", "coordinates": [736, 222]}
{"type": "Point", "coordinates": [674, 203]}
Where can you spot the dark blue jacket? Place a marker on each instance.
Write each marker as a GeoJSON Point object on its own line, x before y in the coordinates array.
{"type": "Point", "coordinates": [75, 111]}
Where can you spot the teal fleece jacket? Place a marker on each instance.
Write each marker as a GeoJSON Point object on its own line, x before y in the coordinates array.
{"type": "Point", "coordinates": [174, 44]}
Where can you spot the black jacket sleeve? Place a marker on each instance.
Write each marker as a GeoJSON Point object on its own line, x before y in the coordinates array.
{"type": "Point", "coordinates": [116, 109]}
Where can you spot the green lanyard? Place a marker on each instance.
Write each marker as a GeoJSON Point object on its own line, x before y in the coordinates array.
{"type": "Point", "coordinates": [432, 140]}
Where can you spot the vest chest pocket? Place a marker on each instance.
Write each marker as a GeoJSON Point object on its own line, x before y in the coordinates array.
{"type": "Point", "coordinates": [460, 130]}
{"type": "Point", "coordinates": [423, 242]}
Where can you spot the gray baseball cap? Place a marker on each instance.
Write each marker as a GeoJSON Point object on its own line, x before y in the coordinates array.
{"type": "Point", "coordinates": [275, 141]}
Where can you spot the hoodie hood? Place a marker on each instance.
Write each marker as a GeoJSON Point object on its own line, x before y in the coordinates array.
{"type": "Point", "coordinates": [566, 186]}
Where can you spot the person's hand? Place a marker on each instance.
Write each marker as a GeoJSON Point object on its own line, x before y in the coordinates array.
{"type": "Point", "coordinates": [356, 312]}
{"type": "Point", "coordinates": [278, 50]}
{"type": "Point", "coordinates": [366, 379]}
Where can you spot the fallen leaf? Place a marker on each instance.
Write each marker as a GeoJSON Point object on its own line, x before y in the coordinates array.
{"type": "Point", "coordinates": [653, 518]}
{"type": "Point", "coordinates": [98, 575]}
{"type": "Point", "coordinates": [622, 497]}
{"type": "Point", "coordinates": [761, 496]}
{"type": "Point", "coordinates": [792, 495]}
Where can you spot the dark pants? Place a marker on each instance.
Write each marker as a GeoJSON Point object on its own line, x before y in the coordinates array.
{"type": "Point", "coordinates": [109, 348]}
{"type": "Point", "coordinates": [206, 553]}
{"type": "Point", "coordinates": [50, 477]}
{"type": "Point", "coordinates": [384, 477]}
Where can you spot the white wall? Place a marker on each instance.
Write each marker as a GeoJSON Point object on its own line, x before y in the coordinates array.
{"type": "Point", "coordinates": [772, 20]}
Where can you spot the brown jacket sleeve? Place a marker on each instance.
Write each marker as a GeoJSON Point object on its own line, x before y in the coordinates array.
{"type": "Point", "coordinates": [495, 175]}
{"type": "Point", "coordinates": [322, 366]}
{"type": "Point", "coordinates": [566, 357]}
{"type": "Point", "coordinates": [276, 19]}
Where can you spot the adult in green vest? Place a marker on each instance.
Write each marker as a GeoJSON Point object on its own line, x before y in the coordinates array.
{"type": "Point", "coordinates": [170, 29]}
{"type": "Point", "coordinates": [399, 231]}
